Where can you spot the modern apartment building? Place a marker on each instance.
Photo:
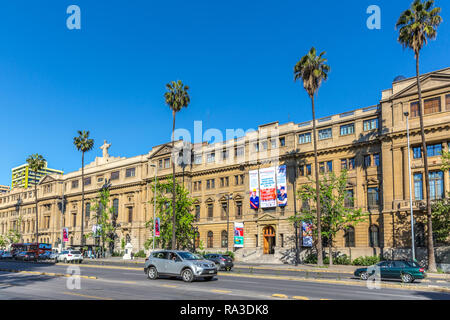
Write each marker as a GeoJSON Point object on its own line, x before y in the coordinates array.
{"type": "Point", "coordinates": [370, 143]}
{"type": "Point", "coordinates": [23, 177]}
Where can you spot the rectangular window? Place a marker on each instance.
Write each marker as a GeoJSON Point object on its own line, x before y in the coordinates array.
{"type": "Point", "coordinates": [87, 181]}
{"type": "Point", "coordinates": [370, 124]}
{"type": "Point", "coordinates": [372, 197]}
{"type": "Point", "coordinates": [436, 185]}
{"type": "Point", "coordinates": [367, 161]}
{"type": "Point", "coordinates": [348, 201]}
{"type": "Point", "coordinates": [308, 169]}
{"type": "Point", "coordinates": [434, 150]}
{"type": "Point", "coordinates": [304, 138]}
{"type": "Point", "coordinates": [224, 154]}
{"type": "Point", "coordinates": [376, 159]}
{"type": "Point", "coordinates": [344, 164]}
{"type": "Point", "coordinates": [224, 212]}
{"type": "Point", "coordinates": [210, 211]}
{"type": "Point", "coordinates": [302, 171]}
{"type": "Point", "coordinates": [347, 129]}
{"type": "Point", "coordinates": [239, 152]}
{"type": "Point", "coordinates": [167, 163]}
{"type": "Point", "coordinates": [198, 158]}
{"type": "Point", "coordinates": [283, 141]}
{"type": "Point", "coordinates": [273, 144]}
{"type": "Point", "coordinates": [414, 109]}
{"type": "Point", "coordinates": [432, 105]}
{"type": "Point", "coordinates": [351, 163]}
{"type": "Point", "coordinates": [325, 134]}
{"type": "Point", "coordinates": [74, 220]}
{"type": "Point", "coordinates": [160, 163]}
{"type": "Point", "coordinates": [264, 145]}
{"type": "Point", "coordinates": [238, 209]}
{"type": "Point", "coordinates": [256, 147]}
{"type": "Point", "coordinates": [322, 167]}
{"type": "Point", "coordinates": [130, 214]}
{"type": "Point", "coordinates": [418, 186]}
{"type": "Point", "coordinates": [447, 102]}
{"type": "Point", "coordinates": [417, 152]}
{"type": "Point", "coordinates": [115, 175]}
{"type": "Point", "coordinates": [211, 157]}
{"type": "Point", "coordinates": [74, 184]}
{"type": "Point", "coordinates": [130, 172]}
{"type": "Point", "coordinates": [329, 166]}
{"type": "Point", "coordinates": [197, 213]}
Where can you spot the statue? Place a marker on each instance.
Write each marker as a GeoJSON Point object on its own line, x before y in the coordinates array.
{"type": "Point", "coordinates": [105, 148]}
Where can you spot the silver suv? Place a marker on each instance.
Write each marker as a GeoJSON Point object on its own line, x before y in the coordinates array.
{"type": "Point", "coordinates": [188, 265]}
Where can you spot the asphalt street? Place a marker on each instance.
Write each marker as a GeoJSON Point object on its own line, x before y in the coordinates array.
{"type": "Point", "coordinates": [121, 282]}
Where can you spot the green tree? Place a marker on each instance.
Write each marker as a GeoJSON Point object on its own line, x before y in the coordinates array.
{"type": "Point", "coordinates": [83, 144]}
{"type": "Point", "coordinates": [441, 220]}
{"type": "Point", "coordinates": [416, 25]}
{"type": "Point", "coordinates": [106, 217]}
{"type": "Point", "coordinates": [176, 97]}
{"type": "Point", "coordinates": [336, 216]}
{"type": "Point", "coordinates": [3, 241]}
{"type": "Point", "coordinates": [184, 218]}
{"type": "Point", "coordinates": [312, 70]}
{"type": "Point", "coordinates": [36, 163]}
{"type": "Point", "coordinates": [445, 160]}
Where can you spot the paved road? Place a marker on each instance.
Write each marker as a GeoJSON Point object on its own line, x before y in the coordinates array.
{"type": "Point", "coordinates": [115, 282]}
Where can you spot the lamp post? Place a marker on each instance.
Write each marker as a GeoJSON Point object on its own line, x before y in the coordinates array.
{"type": "Point", "coordinates": [154, 207]}
{"type": "Point", "coordinates": [413, 249]}
{"type": "Point", "coordinates": [63, 206]}
{"type": "Point", "coordinates": [18, 204]}
{"type": "Point", "coordinates": [229, 197]}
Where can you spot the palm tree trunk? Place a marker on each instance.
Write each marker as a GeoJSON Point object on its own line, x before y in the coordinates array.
{"type": "Point", "coordinates": [174, 184]}
{"type": "Point", "coordinates": [430, 246]}
{"type": "Point", "coordinates": [36, 203]}
{"type": "Point", "coordinates": [82, 199]}
{"type": "Point", "coordinates": [316, 169]}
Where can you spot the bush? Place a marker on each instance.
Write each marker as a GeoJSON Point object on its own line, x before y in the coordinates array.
{"type": "Point", "coordinates": [311, 258]}
{"type": "Point", "coordinates": [117, 254]}
{"type": "Point", "coordinates": [341, 259]}
{"type": "Point", "coordinates": [140, 254]}
{"type": "Point", "coordinates": [366, 261]}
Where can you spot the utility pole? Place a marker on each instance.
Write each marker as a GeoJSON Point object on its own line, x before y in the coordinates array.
{"type": "Point", "coordinates": [229, 196]}
{"type": "Point", "coordinates": [154, 208]}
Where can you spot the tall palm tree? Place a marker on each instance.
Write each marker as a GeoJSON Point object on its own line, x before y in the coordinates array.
{"type": "Point", "coordinates": [416, 25]}
{"type": "Point", "coordinates": [312, 70]}
{"type": "Point", "coordinates": [176, 97]}
{"type": "Point", "coordinates": [83, 144]}
{"type": "Point", "coordinates": [36, 163]}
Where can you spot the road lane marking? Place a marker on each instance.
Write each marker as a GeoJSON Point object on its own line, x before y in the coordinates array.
{"type": "Point", "coordinates": [221, 291]}
{"type": "Point", "coordinates": [86, 296]}
{"type": "Point", "coordinates": [279, 295]}
{"type": "Point", "coordinates": [168, 285]}
{"type": "Point", "coordinates": [300, 298]}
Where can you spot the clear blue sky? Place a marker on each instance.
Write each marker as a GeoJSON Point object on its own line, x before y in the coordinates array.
{"type": "Point", "coordinates": [237, 57]}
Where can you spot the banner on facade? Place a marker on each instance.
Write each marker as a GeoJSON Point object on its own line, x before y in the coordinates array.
{"type": "Point", "coordinates": [306, 234]}
{"type": "Point", "coordinates": [254, 189]}
{"type": "Point", "coordinates": [238, 234]}
{"type": "Point", "coordinates": [65, 234]}
{"type": "Point", "coordinates": [157, 224]}
{"type": "Point", "coordinates": [281, 186]}
{"type": "Point", "coordinates": [267, 185]}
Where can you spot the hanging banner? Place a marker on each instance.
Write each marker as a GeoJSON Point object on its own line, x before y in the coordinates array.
{"type": "Point", "coordinates": [157, 227]}
{"type": "Point", "coordinates": [254, 189]}
{"type": "Point", "coordinates": [267, 186]}
{"type": "Point", "coordinates": [281, 186]}
{"type": "Point", "coordinates": [238, 234]}
{"type": "Point", "coordinates": [306, 234]}
{"type": "Point", "coordinates": [65, 234]}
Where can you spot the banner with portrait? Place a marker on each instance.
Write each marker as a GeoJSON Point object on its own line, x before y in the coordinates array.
{"type": "Point", "coordinates": [267, 184]}
{"type": "Point", "coordinates": [157, 224]}
{"type": "Point", "coordinates": [254, 189]}
{"type": "Point", "coordinates": [307, 239]}
{"type": "Point", "coordinates": [65, 234]}
{"type": "Point", "coordinates": [238, 234]}
{"type": "Point", "coordinates": [281, 186]}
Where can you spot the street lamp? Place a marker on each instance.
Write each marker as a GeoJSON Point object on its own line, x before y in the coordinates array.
{"type": "Point", "coordinates": [229, 197]}
{"type": "Point", "coordinates": [413, 250]}
{"type": "Point", "coordinates": [154, 207]}
{"type": "Point", "coordinates": [18, 204]}
{"type": "Point", "coordinates": [63, 206]}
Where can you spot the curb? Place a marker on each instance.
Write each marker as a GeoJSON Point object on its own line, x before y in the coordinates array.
{"type": "Point", "coordinates": [52, 274]}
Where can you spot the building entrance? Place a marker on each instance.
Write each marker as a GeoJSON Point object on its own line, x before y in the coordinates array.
{"type": "Point", "coordinates": [269, 240]}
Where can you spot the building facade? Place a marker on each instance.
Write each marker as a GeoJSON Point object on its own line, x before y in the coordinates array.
{"type": "Point", "coordinates": [370, 143]}
{"type": "Point", "coordinates": [4, 189]}
{"type": "Point", "coordinates": [23, 177]}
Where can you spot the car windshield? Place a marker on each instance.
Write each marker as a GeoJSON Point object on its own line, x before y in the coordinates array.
{"type": "Point", "coordinates": [189, 256]}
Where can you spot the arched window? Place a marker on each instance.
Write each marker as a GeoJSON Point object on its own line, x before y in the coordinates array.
{"type": "Point", "coordinates": [350, 237]}
{"type": "Point", "coordinates": [210, 240]}
{"type": "Point", "coordinates": [374, 236]}
{"type": "Point", "coordinates": [224, 238]}
{"type": "Point", "coordinates": [419, 234]}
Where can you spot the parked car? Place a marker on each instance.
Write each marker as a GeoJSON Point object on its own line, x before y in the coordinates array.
{"type": "Point", "coordinates": [6, 255]}
{"type": "Point", "coordinates": [70, 256]}
{"type": "Point", "coordinates": [407, 271]}
{"type": "Point", "coordinates": [45, 255]}
{"type": "Point", "coordinates": [19, 255]}
{"type": "Point", "coordinates": [188, 265]}
{"type": "Point", "coordinates": [30, 256]}
{"type": "Point", "coordinates": [54, 256]}
{"type": "Point", "coordinates": [16, 253]}
{"type": "Point", "coordinates": [222, 261]}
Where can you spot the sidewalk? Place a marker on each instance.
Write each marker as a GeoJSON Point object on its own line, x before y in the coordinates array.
{"type": "Point", "coordinates": [283, 267]}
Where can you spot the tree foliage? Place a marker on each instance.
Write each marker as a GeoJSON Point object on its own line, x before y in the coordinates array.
{"type": "Point", "coordinates": [441, 220]}
{"type": "Point", "coordinates": [164, 209]}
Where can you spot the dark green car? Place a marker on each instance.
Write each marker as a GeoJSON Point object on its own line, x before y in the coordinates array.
{"type": "Point", "coordinates": [407, 271]}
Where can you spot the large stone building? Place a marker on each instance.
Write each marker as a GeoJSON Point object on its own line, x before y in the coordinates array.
{"type": "Point", "coordinates": [369, 142]}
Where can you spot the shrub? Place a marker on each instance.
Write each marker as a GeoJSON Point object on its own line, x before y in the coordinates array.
{"type": "Point", "coordinates": [342, 259]}
{"type": "Point", "coordinates": [117, 254]}
{"type": "Point", "coordinates": [311, 258]}
{"type": "Point", "coordinates": [366, 261]}
{"type": "Point", "coordinates": [140, 254]}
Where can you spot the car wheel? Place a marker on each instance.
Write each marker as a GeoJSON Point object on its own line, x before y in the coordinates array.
{"type": "Point", "coordinates": [364, 275]}
{"type": "Point", "coordinates": [407, 278]}
{"type": "Point", "coordinates": [187, 275]}
{"type": "Point", "coordinates": [152, 273]}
